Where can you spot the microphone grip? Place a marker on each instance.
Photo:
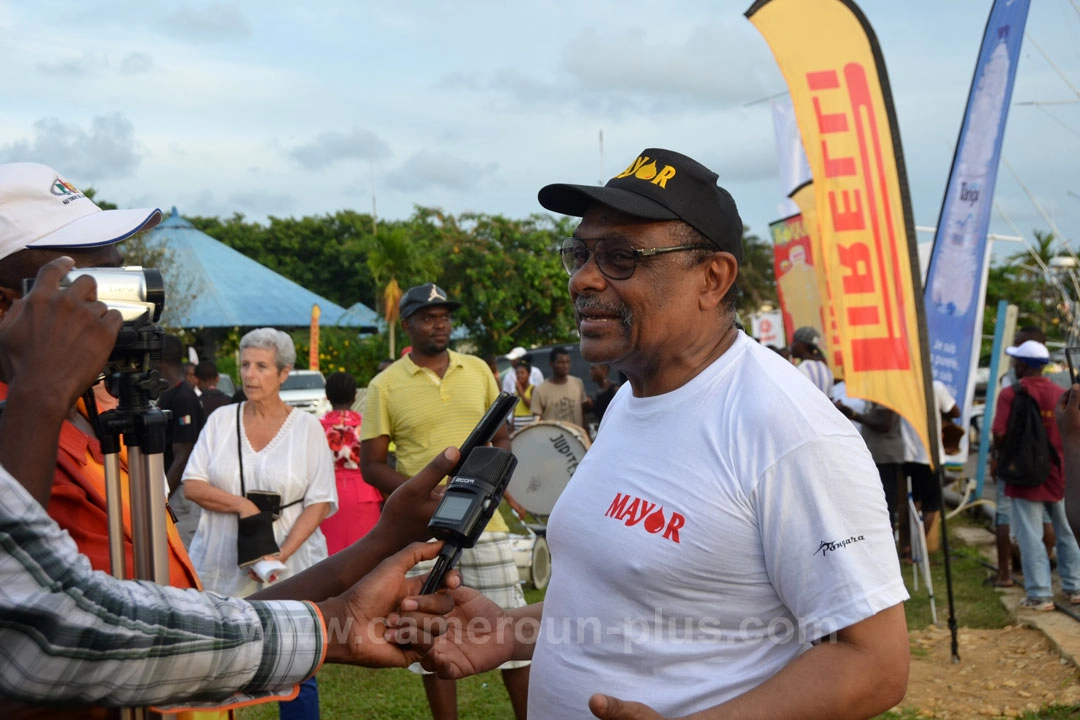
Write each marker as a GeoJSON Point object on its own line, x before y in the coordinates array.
{"type": "Point", "coordinates": [443, 563]}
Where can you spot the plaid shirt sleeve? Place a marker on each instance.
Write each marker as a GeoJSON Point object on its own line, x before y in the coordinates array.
{"type": "Point", "coordinates": [71, 634]}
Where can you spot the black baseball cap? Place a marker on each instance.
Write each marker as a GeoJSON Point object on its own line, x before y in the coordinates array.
{"type": "Point", "coordinates": [422, 296]}
{"type": "Point", "coordinates": [660, 185]}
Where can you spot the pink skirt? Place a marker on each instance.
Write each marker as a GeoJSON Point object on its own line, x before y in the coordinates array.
{"type": "Point", "coordinates": [359, 505]}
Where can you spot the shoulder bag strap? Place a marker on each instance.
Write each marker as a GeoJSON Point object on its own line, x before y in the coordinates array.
{"type": "Point", "coordinates": [240, 449]}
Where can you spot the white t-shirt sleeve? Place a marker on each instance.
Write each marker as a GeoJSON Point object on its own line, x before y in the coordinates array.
{"type": "Point", "coordinates": [828, 544]}
{"type": "Point", "coordinates": [945, 401]}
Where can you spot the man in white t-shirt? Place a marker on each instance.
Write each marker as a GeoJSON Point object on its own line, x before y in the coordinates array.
{"type": "Point", "coordinates": [724, 545]}
{"type": "Point", "coordinates": [924, 485]}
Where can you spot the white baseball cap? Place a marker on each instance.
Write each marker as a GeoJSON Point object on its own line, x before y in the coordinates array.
{"type": "Point", "coordinates": [1030, 350]}
{"type": "Point", "coordinates": [40, 209]}
{"type": "Point", "coordinates": [516, 353]}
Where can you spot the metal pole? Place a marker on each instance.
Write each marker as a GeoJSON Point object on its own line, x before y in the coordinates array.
{"type": "Point", "coordinates": [114, 505]}
{"type": "Point", "coordinates": [115, 509]}
{"type": "Point", "coordinates": [1004, 327]}
{"type": "Point", "coordinates": [955, 645]}
{"type": "Point", "coordinates": [149, 537]}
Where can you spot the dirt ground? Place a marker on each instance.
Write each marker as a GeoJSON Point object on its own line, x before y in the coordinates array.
{"type": "Point", "coordinates": [1001, 673]}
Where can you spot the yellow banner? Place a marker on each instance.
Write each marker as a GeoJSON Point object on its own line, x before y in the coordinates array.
{"type": "Point", "coordinates": [836, 76]}
{"type": "Point", "coordinates": [313, 350]}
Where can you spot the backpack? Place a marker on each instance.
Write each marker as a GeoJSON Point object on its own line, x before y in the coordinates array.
{"type": "Point", "coordinates": [1026, 454]}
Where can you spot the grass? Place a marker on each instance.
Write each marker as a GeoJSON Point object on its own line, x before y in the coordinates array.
{"type": "Point", "coordinates": [976, 606]}
{"type": "Point", "coordinates": [347, 692]}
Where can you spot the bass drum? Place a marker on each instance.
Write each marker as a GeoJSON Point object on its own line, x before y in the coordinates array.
{"type": "Point", "coordinates": [533, 559]}
{"type": "Point", "coordinates": [547, 452]}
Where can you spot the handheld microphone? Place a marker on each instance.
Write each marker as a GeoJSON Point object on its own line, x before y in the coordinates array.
{"type": "Point", "coordinates": [487, 427]}
{"type": "Point", "coordinates": [472, 497]}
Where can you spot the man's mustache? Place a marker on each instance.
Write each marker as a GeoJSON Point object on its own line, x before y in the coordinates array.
{"type": "Point", "coordinates": [595, 306]}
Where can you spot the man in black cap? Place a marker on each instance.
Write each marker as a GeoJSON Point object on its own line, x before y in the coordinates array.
{"type": "Point", "coordinates": [429, 399]}
{"type": "Point", "coordinates": [724, 542]}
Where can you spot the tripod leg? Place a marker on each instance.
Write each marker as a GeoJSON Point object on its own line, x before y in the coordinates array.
{"type": "Point", "coordinates": [148, 524]}
{"type": "Point", "coordinates": [114, 504]}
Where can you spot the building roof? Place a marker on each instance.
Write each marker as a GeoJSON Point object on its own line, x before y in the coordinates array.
{"type": "Point", "coordinates": [217, 286]}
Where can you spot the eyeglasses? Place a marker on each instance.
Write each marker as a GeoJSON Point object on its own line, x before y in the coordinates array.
{"type": "Point", "coordinates": [615, 258]}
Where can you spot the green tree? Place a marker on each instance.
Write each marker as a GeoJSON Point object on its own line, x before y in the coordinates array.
{"type": "Point", "coordinates": [1043, 292]}
{"type": "Point", "coordinates": [397, 258]}
{"type": "Point", "coordinates": [1028, 280]}
{"type": "Point", "coordinates": [508, 277]}
{"type": "Point", "coordinates": [505, 272]}
{"type": "Point", "coordinates": [757, 279]}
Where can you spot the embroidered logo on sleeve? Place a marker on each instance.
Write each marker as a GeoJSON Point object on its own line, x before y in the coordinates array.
{"type": "Point", "coordinates": [828, 546]}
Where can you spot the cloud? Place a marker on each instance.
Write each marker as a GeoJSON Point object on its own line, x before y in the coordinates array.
{"type": "Point", "coordinates": [254, 206]}
{"type": "Point", "coordinates": [331, 147]}
{"type": "Point", "coordinates": [217, 22]}
{"type": "Point", "coordinates": [96, 64]}
{"type": "Point", "coordinates": [135, 63]}
{"type": "Point", "coordinates": [426, 170]}
{"type": "Point", "coordinates": [108, 150]}
{"type": "Point", "coordinates": [695, 71]}
{"type": "Point", "coordinates": [628, 72]}
{"type": "Point", "coordinates": [85, 64]}
{"type": "Point", "coordinates": [263, 203]}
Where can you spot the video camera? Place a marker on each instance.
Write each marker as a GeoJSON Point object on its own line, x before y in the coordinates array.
{"type": "Point", "coordinates": [139, 295]}
{"type": "Point", "coordinates": [134, 291]}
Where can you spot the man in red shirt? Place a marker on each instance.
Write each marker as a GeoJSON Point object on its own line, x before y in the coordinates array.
{"type": "Point", "coordinates": [1029, 359]}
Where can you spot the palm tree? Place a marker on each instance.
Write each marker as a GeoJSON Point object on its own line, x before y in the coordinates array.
{"type": "Point", "coordinates": [1047, 284]}
{"type": "Point", "coordinates": [394, 255]}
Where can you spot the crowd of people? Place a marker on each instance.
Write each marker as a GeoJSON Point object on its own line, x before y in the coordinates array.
{"type": "Point", "coordinates": [1030, 521]}
{"type": "Point", "coordinates": [726, 545]}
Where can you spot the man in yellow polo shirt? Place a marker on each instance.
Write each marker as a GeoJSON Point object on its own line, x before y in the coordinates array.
{"type": "Point", "coordinates": [426, 401]}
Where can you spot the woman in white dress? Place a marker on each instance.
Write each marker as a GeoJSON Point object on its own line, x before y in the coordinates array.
{"type": "Point", "coordinates": [284, 451]}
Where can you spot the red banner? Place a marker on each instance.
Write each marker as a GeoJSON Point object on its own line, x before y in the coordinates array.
{"type": "Point", "coordinates": [796, 276]}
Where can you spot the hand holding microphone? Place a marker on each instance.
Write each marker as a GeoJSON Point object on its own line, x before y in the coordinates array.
{"type": "Point", "coordinates": [471, 498]}
{"type": "Point", "coordinates": [474, 492]}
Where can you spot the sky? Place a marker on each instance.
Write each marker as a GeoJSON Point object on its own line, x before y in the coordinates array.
{"type": "Point", "coordinates": [290, 109]}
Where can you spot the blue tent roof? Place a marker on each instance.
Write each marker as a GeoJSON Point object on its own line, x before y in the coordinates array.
{"type": "Point", "coordinates": [229, 289]}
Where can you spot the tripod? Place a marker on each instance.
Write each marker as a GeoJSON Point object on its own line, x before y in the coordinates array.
{"type": "Point", "coordinates": [142, 427]}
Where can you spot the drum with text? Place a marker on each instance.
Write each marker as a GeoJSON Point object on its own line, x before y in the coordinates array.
{"type": "Point", "coordinates": [548, 453]}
